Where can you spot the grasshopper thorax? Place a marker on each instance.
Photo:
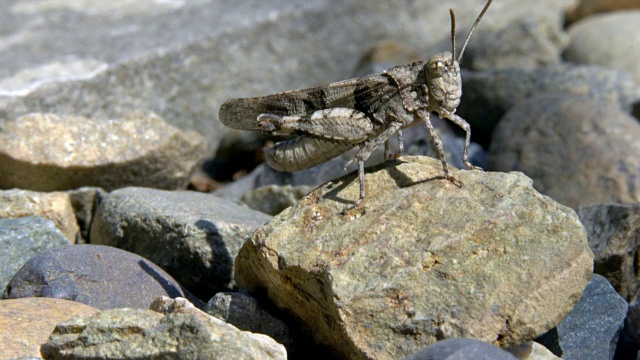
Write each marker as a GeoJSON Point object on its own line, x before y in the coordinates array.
{"type": "Point", "coordinates": [443, 81]}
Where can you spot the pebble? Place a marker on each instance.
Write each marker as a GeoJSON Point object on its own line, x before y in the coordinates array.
{"type": "Point", "coordinates": [99, 276]}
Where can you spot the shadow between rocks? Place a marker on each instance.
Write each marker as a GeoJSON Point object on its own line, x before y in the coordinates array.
{"type": "Point", "coordinates": [390, 166]}
{"type": "Point", "coordinates": [220, 273]}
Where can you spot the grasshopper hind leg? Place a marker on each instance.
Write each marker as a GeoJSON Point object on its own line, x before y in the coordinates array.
{"type": "Point", "coordinates": [363, 154]}
{"type": "Point", "coordinates": [388, 155]}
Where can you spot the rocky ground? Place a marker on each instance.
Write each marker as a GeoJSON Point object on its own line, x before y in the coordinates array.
{"type": "Point", "coordinates": [134, 225]}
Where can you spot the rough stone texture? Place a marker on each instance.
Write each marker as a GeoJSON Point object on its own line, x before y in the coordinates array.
{"type": "Point", "coordinates": [488, 95]}
{"type": "Point", "coordinates": [146, 334]}
{"type": "Point", "coordinates": [55, 206]}
{"type": "Point", "coordinates": [526, 43]}
{"type": "Point", "coordinates": [272, 199]}
{"type": "Point", "coordinates": [607, 40]}
{"type": "Point", "coordinates": [22, 238]}
{"type": "Point", "coordinates": [577, 150]}
{"type": "Point", "coordinates": [591, 330]}
{"type": "Point", "coordinates": [193, 236]}
{"type": "Point", "coordinates": [47, 152]}
{"type": "Point", "coordinates": [182, 59]}
{"type": "Point", "coordinates": [585, 8]}
{"type": "Point", "coordinates": [460, 349]}
{"type": "Point", "coordinates": [261, 342]}
{"type": "Point", "coordinates": [85, 201]}
{"type": "Point", "coordinates": [614, 235]}
{"type": "Point", "coordinates": [493, 260]}
{"type": "Point", "coordinates": [244, 312]}
{"type": "Point", "coordinates": [25, 324]}
{"type": "Point", "coordinates": [99, 276]}
{"type": "Point", "coordinates": [632, 322]}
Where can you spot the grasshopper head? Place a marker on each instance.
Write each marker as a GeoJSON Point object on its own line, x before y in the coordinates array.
{"type": "Point", "coordinates": [443, 72]}
{"type": "Point", "coordinates": [444, 82]}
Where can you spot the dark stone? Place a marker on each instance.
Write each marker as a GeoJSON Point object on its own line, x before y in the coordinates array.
{"type": "Point", "coordinates": [99, 276]}
{"type": "Point", "coordinates": [613, 231]}
{"type": "Point", "coordinates": [592, 329]}
{"type": "Point", "coordinates": [461, 349]}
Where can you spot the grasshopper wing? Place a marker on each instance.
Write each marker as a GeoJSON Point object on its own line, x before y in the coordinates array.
{"type": "Point", "coordinates": [367, 94]}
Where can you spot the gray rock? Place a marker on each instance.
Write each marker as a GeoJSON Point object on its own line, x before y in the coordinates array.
{"type": "Point", "coordinates": [461, 349]}
{"type": "Point", "coordinates": [146, 334]}
{"type": "Point", "coordinates": [99, 276]}
{"type": "Point", "coordinates": [426, 261]}
{"type": "Point", "coordinates": [614, 235]}
{"type": "Point", "coordinates": [55, 206]}
{"type": "Point", "coordinates": [244, 312]}
{"type": "Point", "coordinates": [47, 152]}
{"type": "Point", "coordinates": [526, 43]}
{"type": "Point", "coordinates": [488, 95]}
{"type": "Point", "coordinates": [85, 201]}
{"type": "Point", "coordinates": [591, 330]}
{"type": "Point", "coordinates": [193, 236]}
{"type": "Point", "coordinates": [604, 40]}
{"type": "Point", "coordinates": [22, 238]}
{"type": "Point", "coordinates": [577, 150]}
{"type": "Point", "coordinates": [272, 199]}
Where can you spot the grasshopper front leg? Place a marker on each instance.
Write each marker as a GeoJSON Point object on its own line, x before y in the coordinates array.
{"type": "Point", "coordinates": [424, 116]}
{"type": "Point", "coordinates": [464, 125]}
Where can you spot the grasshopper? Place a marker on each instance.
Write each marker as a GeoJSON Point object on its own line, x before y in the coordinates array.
{"type": "Point", "coordinates": [329, 120]}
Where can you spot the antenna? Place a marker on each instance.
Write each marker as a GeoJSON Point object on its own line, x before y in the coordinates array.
{"type": "Point", "coordinates": [453, 35]}
{"type": "Point", "coordinates": [472, 28]}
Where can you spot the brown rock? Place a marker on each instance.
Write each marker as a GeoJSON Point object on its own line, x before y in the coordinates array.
{"type": "Point", "coordinates": [25, 324]}
{"type": "Point", "coordinates": [55, 206]}
{"type": "Point", "coordinates": [586, 8]}
{"type": "Point", "coordinates": [47, 152]}
{"type": "Point", "coordinates": [493, 260]}
{"type": "Point", "coordinates": [577, 150]}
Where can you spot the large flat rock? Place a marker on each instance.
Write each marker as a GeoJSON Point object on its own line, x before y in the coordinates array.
{"type": "Point", "coordinates": [492, 260]}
